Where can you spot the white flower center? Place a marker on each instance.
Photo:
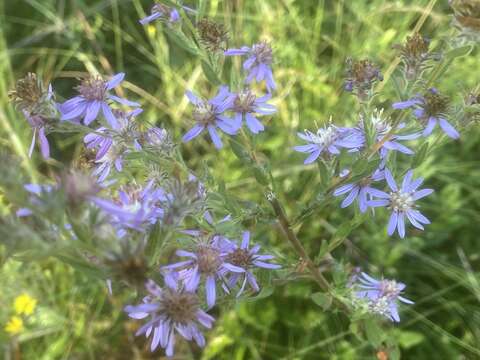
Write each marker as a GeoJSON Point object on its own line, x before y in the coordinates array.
{"type": "Point", "coordinates": [401, 201]}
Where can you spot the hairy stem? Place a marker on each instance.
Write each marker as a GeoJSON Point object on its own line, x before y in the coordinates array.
{"type": "Point", "coordinates": [297, 245]}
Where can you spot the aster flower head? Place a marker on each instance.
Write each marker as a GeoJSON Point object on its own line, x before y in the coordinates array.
{"type": "Point", "coordinates": [401, 202]}
{"type": "Point", "coordinates": [207, 262]}
{"type": "Point", "coordinates": [430, 109]}
{"type": "Point", "coordinates": [38, 107]}
{"type": "Point", "coordinates": [162, 12]}
{"type": "Point", "coordinates": [247, 258]}
{"type": "Point", "coordinates": [362, 191]}
{"type": "Point", "coordinates": [246, 105]}
{"type": "Point", "coordinates": [381, 126]}
{"type": "Point", "coordinates": [94, 97]}
{"type": "Point", "coordinates": [136, 207]}
{"type": "Point", "coordinates": [112, 144]}
{"type": "Point", "coordinates": [382, 296]}
{"type": "Point", "coordinates": [171, 310]}
{"type": "Point", "coordinates": [258, 63]}
{"type": "Point", "coordinates": [208, 115]}
{"type": "Point", "coordinates": [328, 140]}
{"type": "Point", "coordinates": [360, 77]}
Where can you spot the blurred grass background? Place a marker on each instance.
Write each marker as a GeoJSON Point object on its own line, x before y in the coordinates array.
{"type": "Point", "coordinates": [76, 319]}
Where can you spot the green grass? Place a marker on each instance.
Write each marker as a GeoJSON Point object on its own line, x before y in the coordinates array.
{"type": "Point", "coordinates": [76, 319]}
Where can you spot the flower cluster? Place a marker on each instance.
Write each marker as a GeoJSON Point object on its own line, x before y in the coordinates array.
{"type": "Point", "coordinates": [213, 262]}
{"type": "Point", "coordinates": [382, 296]}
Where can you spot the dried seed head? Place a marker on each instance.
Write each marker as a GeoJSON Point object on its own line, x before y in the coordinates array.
{"type": "Point", "coordinates": [32, 98]}
{"type": "Point", "coordinates": [414, 53]}
{"type": "Point", "coordinates": [213, 35]}
{"type": "Point", "coordinates": [180, 307]}
{"type": "Point", "coordinates": [360, 76]}
{"type": "Point", "coordinates": [28, 91]}
{"type": "Point", "coordinates": [93, 88]}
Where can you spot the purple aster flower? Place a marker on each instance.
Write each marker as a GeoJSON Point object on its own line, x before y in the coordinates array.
{"type": "Point", "coordinates": [209, 115]}
{"type": "Point", "coordinates": [172, 310]}
{"type": "Point", "coordinates": [207, 262]}
{"type": "Point", "coordinates": [382, 295]}
{"type": "Point", "coordinates": [113, 144]}
{"type": "Point", "coordinates": [382, 128]}
{"type": "Point", "coordinates": [246, 105]}
{"type": "Point", "coordinates": [360, 191]}
{"type": "Point", "coordinates": [258, 63]}
{"type": "Point", "coordinates": [430, 109]}
{"type": "Point", "coordinates": [136, 208]}
{"type": "Point", "coordinates": [94, 96]}
{"type": "Point", "coordinates": [246, 258]}
{"type": "Point", "coordinates": [328, 139]}
{"type": "Point", "coordinates": [163, 12]}
{"type": "Point", "coordinates": [401, 201]}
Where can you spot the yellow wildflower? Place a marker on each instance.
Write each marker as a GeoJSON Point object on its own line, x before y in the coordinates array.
{"type": "Point", "coordinates": [14, 325]}
{"type": "Point", "coordinates": [24, 304]}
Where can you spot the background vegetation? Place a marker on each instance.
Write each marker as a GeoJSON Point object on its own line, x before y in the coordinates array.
{"type": "Point", "coordinates": [75, 317]}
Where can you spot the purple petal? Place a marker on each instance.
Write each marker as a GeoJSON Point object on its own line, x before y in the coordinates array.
{"type": "Point", "coordinates": [123, 101]}
{"type": "Point", "coordinates": [214, 136]}
{"type": "Point", "coordinates": [210, 290]}
{"type": "Point", "coordinates": [92, 112]}
{"type": "Point", "coordinates": [107, 112]}
{"type": "Point", "coordinates": [253, 124]}
{"type": "Point", "coordinates": [432, 122]}
{"type": "Point", "coordinates": [392, 223]}
{"type": "Point", "coordinates": [421, 193]}
{"type": "Point", "coordinates": [351, 197]}
{"type": "Point", "coordinates": [115, 81]}
{"type": "Point", "coordinates": [390, 181]}
{"type": "Point", "coordinates": [44, 145]}
{"type": "Point", "coordinates": [401, 224]}
{"type": "Point", "coordinates": [449, 129]}
{"type": "Point", "coordinates": [193, 133]}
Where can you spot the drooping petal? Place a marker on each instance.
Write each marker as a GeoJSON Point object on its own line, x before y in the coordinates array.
{"type": "Point", "coordinates": [210, 290]}
{"type": "Point", "coordinates": [44, 145]}
{"type": "Point", "coordinates": [392, 223]}
{"type": "Point", "coordinates": [92, 112]}
{"type": "Point", "coordinates": [401, 224]}
{"type": "Point", "coordinates": [449, 129]}
{"type": "Point", "coordinates": [107, 112]}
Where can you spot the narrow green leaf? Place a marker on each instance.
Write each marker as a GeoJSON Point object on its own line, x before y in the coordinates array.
{"type": "Point", "coordinates": [210, 73]}
{"type": "Point", "coordinates": [420, 155]}
{"type": "Point", "coordinates": [323, 300]}
{"type": "Point", "coordinates": [458, 52]}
